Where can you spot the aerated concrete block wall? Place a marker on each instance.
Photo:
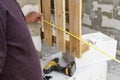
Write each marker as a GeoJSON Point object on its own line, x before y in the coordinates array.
{"type": "Point", "coordinates": [24, 2]}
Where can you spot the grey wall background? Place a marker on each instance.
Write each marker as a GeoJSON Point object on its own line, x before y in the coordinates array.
{"type": "Point", "coordinates": [23, 2]}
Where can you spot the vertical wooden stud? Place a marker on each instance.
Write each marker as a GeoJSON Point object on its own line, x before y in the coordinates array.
{"type": "Point", "coordinates": [46, 9]}
{"type": "Point", "coordinates": [60, 21]}
{"type": "Point", "coordinates": [40, 12]}
{"type": "Point", "coordinates": [75, 21]}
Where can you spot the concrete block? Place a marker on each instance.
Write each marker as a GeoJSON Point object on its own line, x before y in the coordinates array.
{"type": "Point", "coordinates": [93, 56]}
{"type": "Point", "coordinates": [37, 42]}
{"type": "Point", "coordinates": [29, 8]}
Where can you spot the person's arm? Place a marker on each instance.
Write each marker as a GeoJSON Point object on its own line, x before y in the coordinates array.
{"type": "Point", "coordinates": [32, 17]}
{"type": "Point", "coordinates": [3, 45]}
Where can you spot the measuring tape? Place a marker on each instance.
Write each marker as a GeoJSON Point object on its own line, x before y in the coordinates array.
{"type": "Point", "coordinates": [91, 45]}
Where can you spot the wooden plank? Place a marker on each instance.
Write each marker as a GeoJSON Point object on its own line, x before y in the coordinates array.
{"type": "Point", "coordinates": [75, 16]}
{"type": "Point", "coordinates": [40, 12]}
{"type": "Point", "coordinates": [46, 9]}
{"type": "Point", "coordinates": [59, 6]}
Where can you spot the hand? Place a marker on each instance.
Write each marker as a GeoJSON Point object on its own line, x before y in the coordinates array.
{"type": "Point", "coordinates": [33, 17]}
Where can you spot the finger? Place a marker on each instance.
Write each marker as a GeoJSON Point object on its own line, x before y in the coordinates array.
{"type": "Point", "coordinates": [39, 16]}
{"type": "Point", "coordinates": [38, 20]}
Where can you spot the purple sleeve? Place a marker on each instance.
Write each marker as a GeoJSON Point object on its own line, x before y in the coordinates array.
{"type": "Point", "coordinates": [2, 38]}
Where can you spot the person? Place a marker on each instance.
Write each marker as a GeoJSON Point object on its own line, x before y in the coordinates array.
{"type": "Point", "coordinates": [18, 57]}
{"type": "Point", "coordinates": [115, 11]}
{"type": "Point", "coordinates": [92, 18]}
{"type": "Point", "coordinates": [99, 18]}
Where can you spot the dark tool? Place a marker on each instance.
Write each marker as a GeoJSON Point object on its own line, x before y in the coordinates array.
{"type": "Point", "coordinates": [68, 70]}
{"type": "Point", "coordinates": [47, 77]}
{"type": "Point", "coordinates": [54, 66]}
